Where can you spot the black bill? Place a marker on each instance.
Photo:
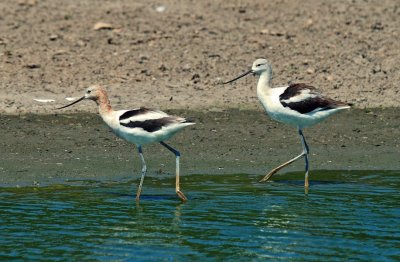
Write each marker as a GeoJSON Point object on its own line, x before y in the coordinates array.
{"type": "Point", "coordinates": [242, 75]}
{"type": "Point", "coordinates": [76, 101]}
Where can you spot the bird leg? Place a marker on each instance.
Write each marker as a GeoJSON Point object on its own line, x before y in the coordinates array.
{"type": "Point", "coordinates": [276, 169]}
{"type": "Point", "coordinates": [306, 149]}
{"type": "Point", "coordinates": [303, 154]}
{"type": "Point", "coordinates": [144, 169]}
{"type": "Point", "coordinates": [177, 186]}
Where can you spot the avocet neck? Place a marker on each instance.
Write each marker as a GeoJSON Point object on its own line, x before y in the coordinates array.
{"type": "Point", "coordinates": [264, 82]}
{"type": "Point", "coordinates": [109, 116]}
{"type": "Point", "coordinates": [104, 104]}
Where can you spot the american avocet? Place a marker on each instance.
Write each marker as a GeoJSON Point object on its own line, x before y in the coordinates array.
{"type": "Point", "coordinates": [139, 126]}
{"type": "Point", "coordinates": [299, 105]}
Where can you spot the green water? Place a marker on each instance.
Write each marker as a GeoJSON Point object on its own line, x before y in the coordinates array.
{"type": "Point", "coordinates": [345, 215]}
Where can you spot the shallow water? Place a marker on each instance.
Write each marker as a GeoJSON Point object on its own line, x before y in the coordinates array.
{"type": "Point", "coordinates": [346, 214]}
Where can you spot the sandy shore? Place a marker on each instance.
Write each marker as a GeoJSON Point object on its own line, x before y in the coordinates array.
{"type": "Point", "coordinates": [52, 149]}
{"type": "Point", "coordinates": [172, 54]}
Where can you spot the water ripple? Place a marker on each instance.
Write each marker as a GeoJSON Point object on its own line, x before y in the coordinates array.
{"type": "Point", "coordinates": [346, 215]}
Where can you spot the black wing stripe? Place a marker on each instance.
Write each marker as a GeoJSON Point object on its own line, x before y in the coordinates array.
{"type": "Point", "coordinates": [151, 125]}
{"type": "Point", "coordinates": [134, 112]}
{"type": "Point", "coordinates": [294, 90]}
{"type": "Point", "coordinates": [310, 105]}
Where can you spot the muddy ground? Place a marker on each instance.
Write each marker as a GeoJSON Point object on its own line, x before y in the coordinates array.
{"type": "Point", "coordinates": [172, 54]}
{"type": "Point", "coordinates": [52, 149]}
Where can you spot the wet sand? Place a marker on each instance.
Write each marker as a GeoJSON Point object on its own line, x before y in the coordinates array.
{"type": "Point", "coordinates": [50, 149]}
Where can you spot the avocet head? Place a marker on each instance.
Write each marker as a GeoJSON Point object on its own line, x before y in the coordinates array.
{"type": "Point", "coordinates": [92, 93]}
{"type": "Point", "coordinates": [260, 66]}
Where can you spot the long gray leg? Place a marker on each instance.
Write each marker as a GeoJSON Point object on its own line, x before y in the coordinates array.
{"type": "Point", "coordinates": [144, 170]}
{"type": "Point", "coordinates": [303, 153]}
{"type": "Point", "coordinates": [306, 150]}
{"type": "Point", "coordinates": [177, 155]}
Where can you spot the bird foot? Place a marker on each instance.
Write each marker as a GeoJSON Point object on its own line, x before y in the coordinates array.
{"type": "Point", "coordinates": [268, 176]}
{"type": "Point", "coordinates": [181, 195]}
{"type": "Point", "coordinates": [306, 184]}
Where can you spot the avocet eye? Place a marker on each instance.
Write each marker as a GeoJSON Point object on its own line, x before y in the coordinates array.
{"type": "Point", "coordinates": [259, 65]}
{"type": "Point", "coordinates": [89, 91]}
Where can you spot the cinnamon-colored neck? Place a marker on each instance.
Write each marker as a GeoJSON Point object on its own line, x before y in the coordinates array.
{"type": "Point", "coordinates": [103, 102]}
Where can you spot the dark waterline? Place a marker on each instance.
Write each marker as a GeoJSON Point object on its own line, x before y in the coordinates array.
{"type": "Point", "coordinates": [345, 215]}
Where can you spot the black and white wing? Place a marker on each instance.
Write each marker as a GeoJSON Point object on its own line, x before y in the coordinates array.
{"type": "Point", "coordinates": [305, 99]}
{"type": "Point", "coordinates": [149, 120]}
